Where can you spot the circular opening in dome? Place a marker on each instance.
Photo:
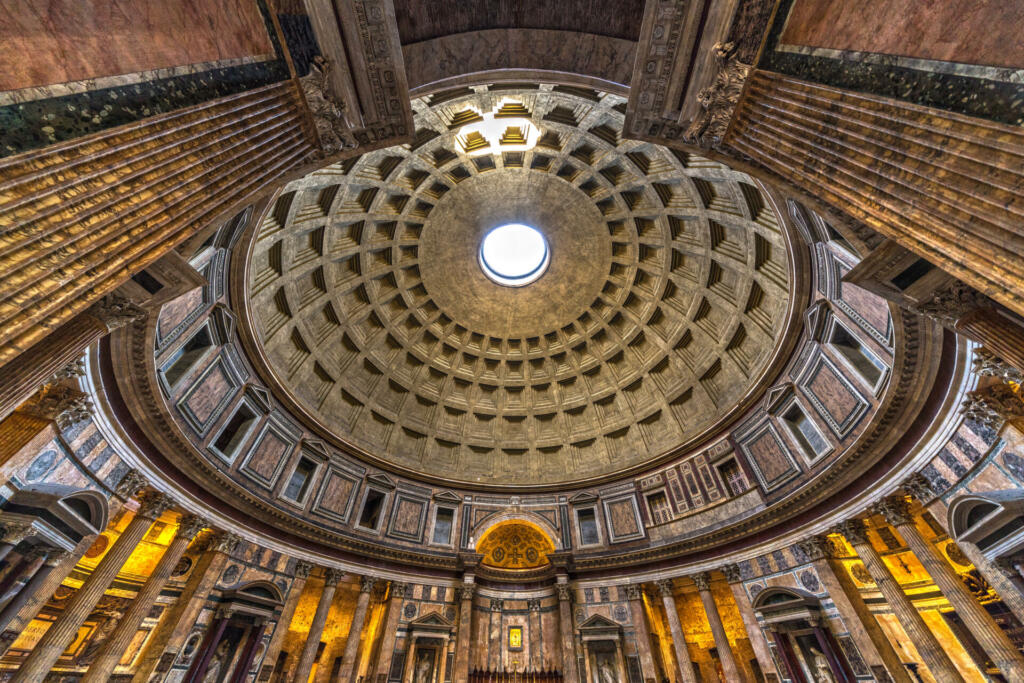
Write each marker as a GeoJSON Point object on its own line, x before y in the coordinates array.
{"type": "Point", "coordinates": [514, 255]}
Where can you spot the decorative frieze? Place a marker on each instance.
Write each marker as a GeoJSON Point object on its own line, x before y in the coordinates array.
{"type": "Point", "coordinates": [718, 101]}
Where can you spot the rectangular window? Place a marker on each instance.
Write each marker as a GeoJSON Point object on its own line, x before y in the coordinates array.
{"type": "Point", "coordinates": [661, 511]}
{"type": "Point", "coordinates": [444, 519]}
{"type": "Point", "coordinates": [733, 477]}
{"type": "Point", "coordinates": [185, 358]}
{"type": "Point", "coordinates": [298, 483]}
{"type": "Point", "coordinates": [805, 433]}
{"type": "Point", "coordinates": [369, 517]}
{"type": "Point", "coordinates": [869, 367]}
{"type": "Point", "coordinates": [234, 432]}
{"type": "Point", "coordinates": [587, 520]}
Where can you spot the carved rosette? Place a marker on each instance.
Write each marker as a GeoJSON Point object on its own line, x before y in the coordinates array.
{"type": "Point", "coordinates": [115, 312]}
{"type": "Point", "coordinates": [703, 581]}
{"type": "Point", "coordinates": [948, 306]}
{"type": "Point", "coordinates": [918, 486]}
{"type": "Point", "coordinates": [732, 572]}
{"type": "Point", "coordinates": [332, 576]}
{"type": "Point", "coordinates": [718, 101]}
{"type": "Point", "coordinates": [665, 587]}
{"type": "Point", "coordinates": [189, 525]}
{"type": "Point", "coordinates": [855, 531]}
{"type": "Point", "coordinates": [302, 569]}
{"type": "Point", "coordinates": [993, 405]}
{"type": "Point", "coordinates": [130, 483]}
{"type": "Point", "coordinates": [987, 364]}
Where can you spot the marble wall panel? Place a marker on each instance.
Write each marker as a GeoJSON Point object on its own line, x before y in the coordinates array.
{"type": "Point", "coordinates": [979, 32]}
{"type": "Point", "coordinates": [767, 454]}
{"type": "Point", "coordinates": [73, 40]}
{"type": "Point", "coordinates": [833, 396]}
{"type": "Point", "coordinates": [407, 518]}
{"type": "Point", "coordinates": [267, 456]}
{"type": "Point", "coordinates": [207, 397]}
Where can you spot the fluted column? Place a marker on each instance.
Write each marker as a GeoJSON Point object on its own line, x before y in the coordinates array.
{"type": "Point", "coordinates": [676, 629]}
{"type": "Point", "coordinates": [355, 631]}
{"type": "Point", "coordinates": [635, 595]}
{"type": "Point", "coordinates": [758, 643]}
{"type": "Point", "coordinates": [933, 654]}
{"type": "Point", "coordinates": [725, 654]}
{"type": "Point", "coordinates": [570, 670]}
{"type": "Point", "coordinates": [979, 622]}
{"type": "Point", "coordinates": [34, 584]}
{"type": "Point", "coordinates": [302, 569]}
{"type": "Point", "coordinates": [177, 620]}
{"type": "Point", "coordinates": [867, 633]}
{"type": "Point", "coordinates": [316, 629]}
{"type": "Point", "coordinates": [396, 596]}
{"type": "Point", "coordinates": [62, 631]}
{"type": "Point", "coordinates": [114, 647]}
{"type": "Point", "coordinates": [464, 636]}
{"type": "Point", "coordinates": [494, 636]}
{"type": "Point", "coordinates": [29, 563]}
{"type": "Point", "coordinates": [13, 534]}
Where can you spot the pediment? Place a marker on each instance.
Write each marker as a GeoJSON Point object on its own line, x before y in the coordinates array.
{"type": "Point", "coordinates": [381, 480]}
{"type": "Point", "coordinates": [447, 497]}
{"type": "Point", "coordinates": [584, 497]}
{"type": "Point", "coordinates": [317, 447]}
{"type": "Point", "coordinates": [598, 622]}
{"type": "Point", "coordinates": [776, 396]}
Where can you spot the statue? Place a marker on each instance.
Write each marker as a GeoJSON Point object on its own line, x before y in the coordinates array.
{"type": "Point", "coordinates": [217, 662]}
{"type": "Point", "coordinates": [424, 664]}
{"type": "Point", "coordinates": [606, 672]}
{"type": "Point", "coordinates": [822, 671]}
{"type": "Point", "coordinates": [719, 99]}
{"type": "Point", "coordinates": [329, 115]}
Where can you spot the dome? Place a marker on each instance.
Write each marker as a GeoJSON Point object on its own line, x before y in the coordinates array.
{"type": "Point", "coordinates": [666, 296]}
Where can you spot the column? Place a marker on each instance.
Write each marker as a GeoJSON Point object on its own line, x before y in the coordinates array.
{"type": "Point", "coordinates": [635, 595]}
{"type": "Point", "coordinates": [349, 660]}
{"type": "Point", "coordinates": [570, 670]}
{"type": "Point", "coordinates": [934, 656]}
{"type": "Point", "coordinates": [725, 655]}
{"type": "Point", "coordinates": [302, 569]}
{"type": "Point", "coordinates": [316, 629]}
{"type": "Point", "coordinates": [442, 657]}
{"type": "Point", "coordinates": [758, 643]}
{"type": "Point", "coordinates": [676, 629]}
{"type": "Point", "coordinates": [867, 633]}
{"type": "Point", "coordinates": [34, 585]}
{"type": "Point", "coordinates": [785, 649]}
{"type": "Point", "coordinates": [31, 560]}
{"type": "Point", "coordinates": [35, 601]}
{"type": "Point", "coordinates": [13, 534]}
{"type": "Point", "coordinates": [176, 622]}
{"type": "Point", "coordinates": [536, 639]}
{"type": "Point", "coordinates": [396, 596]}
{"type": "Point", "coordinates": [464, 636]}
{"type": "Point", "coordinates": [979, 622]}
{"type": "Point", "coordinates": [112, 650]}
{"type": "Point", "coordinates": [410, 659]}
{"type": "Point", "coordinates": [245, 660]}
{"type": "Point", "coordinates": [494, 636]}
{"type": "Point", "coordinates": [62, 631]}
{"type": "Point", "coordinates": [214, 631]}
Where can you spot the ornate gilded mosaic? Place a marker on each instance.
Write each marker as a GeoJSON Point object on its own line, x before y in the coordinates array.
{"type": "Point", "coordinates": [658, 318]}
{"type": "Point", "coordinates": [514, 545]}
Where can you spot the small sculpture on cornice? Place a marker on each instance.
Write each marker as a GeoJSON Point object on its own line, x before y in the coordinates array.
{"type": "Point", "coordinates": [329, 114]}
{"type": "Point", "coordinates": [718, 101]}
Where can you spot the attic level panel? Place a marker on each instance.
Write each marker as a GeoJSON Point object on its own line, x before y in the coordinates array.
{"type": "Point", "coordinates": [419, 20]}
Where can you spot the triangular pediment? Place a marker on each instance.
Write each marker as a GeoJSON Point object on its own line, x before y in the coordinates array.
{"type": "Point", "coordinates": [598, 622]}
{"type": "Point", "coordinates": [316, 446]}
{"type": "Point", "coordinates": [815, 318]}
{"type": "Point", "coordinates": [584, 497]}
{"type": "Point", "coordinates": [259, 396]}
{"type": "Point", "coordinates": [776, 396]}
{"type": "Point", "coordinates": [381, 480]}
{"type": "Point", "coordinates": [432, 621]}
{"type": "Point", "coordinates": [447, 497]}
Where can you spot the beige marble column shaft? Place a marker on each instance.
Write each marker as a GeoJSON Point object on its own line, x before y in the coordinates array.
{"type": "Point", "coordinates": [464, 636]}
{"type": "Point", "coordinates": [927, 645]}
{"type": "Point", "coordinates": [63, 630]}
{"type": "Point", "coordinates": [113, 649]}
{"type": "Point", "coordinates": [570, 670]}
{"type": "Point", "coordinates": [350, 659]}
{"type": "Point", "coordinates": [979, 622]}
{"type": "Point", "coordinates": [758, 643]}
{"type": "Point", "coordinates": [396, 596]}
{"type": "Point", "coordinates": [867, 633]}
{"type": "Point", "coordinates": [535, 639]}
{"type": "Point", "coordinates": [494, 636]}
{"type": "Point", "coordinates": [177, 620]}
{"type": "Point", "coordinates": [675, 627]}
{"type": "Point", "coordinates": [39, 578]}
{"type": "Point", "coordinates": [725, 654]}
{"type": "Point", "coordinates": [316, 628]}
{"type": "Point", "coordinates": [635, 595]}
{"type": "Point", "coordinates": [302, 570]}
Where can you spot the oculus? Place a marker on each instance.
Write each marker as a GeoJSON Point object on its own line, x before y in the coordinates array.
{"type": "Point", "coordinates": [514, 255]}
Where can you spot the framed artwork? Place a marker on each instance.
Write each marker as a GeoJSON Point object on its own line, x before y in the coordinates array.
{"type": "Point", "coordinates": [515, 638]}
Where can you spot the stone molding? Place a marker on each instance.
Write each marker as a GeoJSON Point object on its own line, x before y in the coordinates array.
{"type": "Point", "coordinates": [115, 312]}
{"type": "Point", "coordinates": [15, 533]}
{"type": "Point", "coordinates": [855, 531]}
{"type": "Point", "coordinates": [993, 405]}
{"type": "Point", "coordinates": [987, 364]}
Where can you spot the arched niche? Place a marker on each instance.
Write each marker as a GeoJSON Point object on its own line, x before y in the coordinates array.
{"type": "Point", "coordinates": [515, 544]}
{"type": "Point", "coordinates": [62, 515]}
{"type": "Point", "coordinates": [993, 521]}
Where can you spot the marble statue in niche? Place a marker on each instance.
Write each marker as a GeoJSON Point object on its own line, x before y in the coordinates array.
{"type": "Point", "coordinates": [423, 670]}
{"type": "Point", "coordinates": [606, 672]}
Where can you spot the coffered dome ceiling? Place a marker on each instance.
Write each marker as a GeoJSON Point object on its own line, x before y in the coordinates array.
{"type": "Point", "coordinates": [657, 320]}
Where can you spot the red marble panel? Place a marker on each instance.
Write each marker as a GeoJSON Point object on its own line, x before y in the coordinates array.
{"type": "Point", "coordinates": [407, 517]}
{"type": "Point", "coordinates": [835, 396]}
{"type": "Point", "coordinates": [980, 32]}
{"type": "Point", "coordinates": [770, 457]}
{"type": "Point", "coordinates": [623, 518]}
{"type": "Point", "coordinates": [267, 456]}
{"type": "Point", "coordinates": [872, 308]}
{"type": "Point", "coordinates": [336, 494]}
{"type": "Point", "coordinates": [209, 394]}
{"type": "Point", "coordinates": [57, 41]}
